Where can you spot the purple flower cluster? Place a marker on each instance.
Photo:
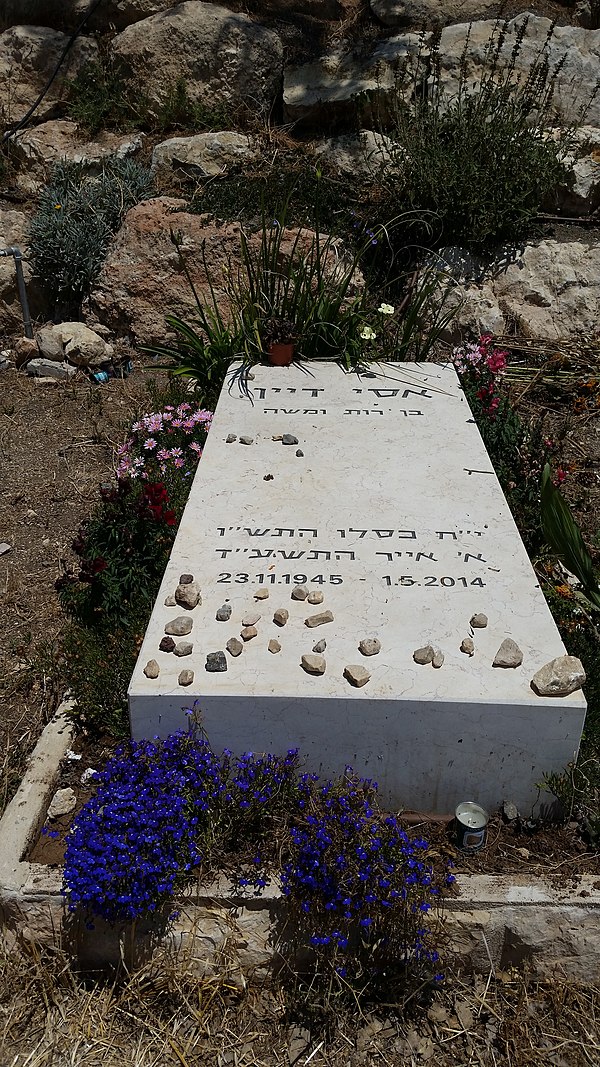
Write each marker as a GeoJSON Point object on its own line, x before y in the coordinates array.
{"type": "Point", "coordinates": [140, 830]}
{"type": "Point", "coordinates": [163, 441]}
{"type": "Point", "coordinates": [353, 868]}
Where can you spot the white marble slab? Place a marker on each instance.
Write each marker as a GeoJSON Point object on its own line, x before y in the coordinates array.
{"type": "Point", "coordinates": [393, 512]}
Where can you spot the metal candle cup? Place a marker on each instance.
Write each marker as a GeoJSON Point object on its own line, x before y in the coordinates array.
{"type": "Point", "coordinates": [471, 822]}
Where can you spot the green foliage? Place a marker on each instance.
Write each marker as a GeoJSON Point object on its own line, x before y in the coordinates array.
{"type": "Point", "coordinates": [98, 102]}
{"type": "Point", "coordinates": [98, 669]}
{"type": "Point", "coordinates": [77, 215]}
{"type": "Point", "coordinates": [564, 536]}
{"type": "Point", "coordinates": [479, 160]}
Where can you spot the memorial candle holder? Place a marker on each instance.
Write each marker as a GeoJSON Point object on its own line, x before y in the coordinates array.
{"type": "Point", "coordinates": [471, 822]}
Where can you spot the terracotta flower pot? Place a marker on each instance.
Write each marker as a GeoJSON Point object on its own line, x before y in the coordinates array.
{"type": "Point", "coordinates": [281, 355]}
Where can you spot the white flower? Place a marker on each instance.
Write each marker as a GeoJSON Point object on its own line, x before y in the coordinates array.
{"type": "Point", "coordinates": [386, 309]}
{"type": "Point", "coordinates": [367, 334]}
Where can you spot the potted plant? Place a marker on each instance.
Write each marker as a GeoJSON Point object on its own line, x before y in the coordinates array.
{"type": "Point", "coordinates": [279, 337]}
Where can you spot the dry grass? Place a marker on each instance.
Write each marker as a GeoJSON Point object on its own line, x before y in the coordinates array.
{"type": "Point", "coordinates": [52, 1017]}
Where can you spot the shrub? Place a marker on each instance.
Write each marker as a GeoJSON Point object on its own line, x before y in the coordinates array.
{"type": "Point", "coordinates": [480, 160]}
{"type": "Point", "coordinates": [76, 217]}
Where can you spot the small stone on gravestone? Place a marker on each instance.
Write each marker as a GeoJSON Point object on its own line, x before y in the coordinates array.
{"type": "Point", "coordinates": [234, 646]}
{"type": "Point", "coordinates": [274, 645]}
{"type": "Point", "coordinates": [188, 595]}
{"type": "Point", "coordinates": [281, 616]}
{"type": "Point", "coordinates": [508, 655]}
{"type": "Point", "coordinates": [356, 675]}
{"type": "Point", "coordinates": [299, 592]}
{"type": "Point", "coordinates": [152, 670]}
{"type": "Point", "coordinates": [167, 644]}
{"type": "Point", "coordinates": [186, 579]}
{"type": "Point", "coordinates": [268, 478]}
{"type": "Point", "coordinates": [4, 548]}
{"type": "Point", "coordinates": [249, 632]}
{"type": "Point", "coordinates": [180, 626]}
{"type": "Point", "coordinates": [276, 437]}
{"type": "Point", "coordinates": [183, 648]}
{"type": "Point", "coordinates": [424, 655]}
{"type": "Point", "coordinates": [231, 437]}
{"type": "Point", "coordinates": [316, 597]}
{"type": "Point", "coordinates": [63, 802]}
{"type": "Point", "coordinates": [559, 677]}
{"type": "Point", "coordinates": [479, 621]}
{"type": "Point", "coordinates": [299, 453]}
{"type": "Point", "coordinates": [216, 662]}
{"type": "Point", "coordinates": [246, 440]}
{"type": "Point", "coordinates": [262, 593]}
{"type": "Point", "coordinates": [438, 659]}
{"type": "Point", "coordinates": [251, 618]}
{"type": "Point", "coordinates": [369, 646]}
{"type": "Point", "coordinates": [320, 645]}
{"type": "Point", "coordinates": [314, 664]}
{"type": "Point", "coordinates": [170, 601]}
{"type": "Point", "coordinates": [185, 677]}
{"type": "Point", "coordinates": [468, 646]}
{"type": "Point", "coordinates": [320, 619]}
{"type": "Point", "coordinates": [224, 613]}
{"type": "Point", "coordinates": [289, 439]}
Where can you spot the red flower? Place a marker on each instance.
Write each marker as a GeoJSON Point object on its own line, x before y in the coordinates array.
{"type": "Point", "coordinates": [170, 518]}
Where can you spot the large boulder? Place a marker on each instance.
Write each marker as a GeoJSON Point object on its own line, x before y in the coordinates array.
{"type": "Point", "coordinates": [325, 88]}
{"type": "Point", "coordinates": [39, 147]}
{"type": "Point", "coordinates": [431, 12]}
{"type": "Point", "coordinates": [548, 290]}
{"type": "Point", "coordinates": [223, 57]}
{"type": "Point", "coordinates": [204, 154]}
{"type": "Point", "coordinates": [29, 56]}
{"type": "Point", "coordinates": [580, 193]}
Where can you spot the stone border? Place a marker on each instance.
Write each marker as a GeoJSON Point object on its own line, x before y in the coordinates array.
{"type": "Point", "coordinates": [494, 922]}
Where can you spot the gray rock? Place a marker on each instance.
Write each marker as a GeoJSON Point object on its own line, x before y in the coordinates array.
{"type": "Point", "coordinates": [203, 154]}
{"type": "Point", "coordinates": [234, 646]}
{"type": "Point", "coordinates": [289, 439]}
{"type": "Point", "coordinates": [559, 677]}
{"type": "Point", "coordinates": [216, 662]}
{"type": "Point", "coordinates": [320, 645]}
{"type": "Point", "coordinates": [274, 645]}
{"type": "Point", "coordinates": [185, 678]}
{"type": "Point", "coordinates": [262, 593]}
{"type": "Point", "coordinates": [245, 440]}
{"type": "Point", "coordinates": [479, 621]}
{"type": "Point", "coordinates": [424, 655]}
{"type": "Point", "coordinates": [316, 597]}
{"type": "Point", "coordinates": [508, 655]}
{"type": "Point", "coordinates": [63, 802]}
{"type": "Point", "coordinates": [167, 644]}
{"type": "Point", "coordinates": [299, 453]}
{"type": "Point", "coordinates": [277, 437]}
{"type": "Point", "coordinates": [47, 368]}
{"type": "Point", "coordinates": [224, 613]}
{"type": "Point", "coordinates": [314, 663]}
{"type": "Point", "coordinates": [188, 595]}
{"type": "Point", "coordinates": [249, 632]}
{"type": "Point", "coordinates": [50, 344]}
{"type": "Point", "coordinates": [251, 618]}
{"type": "Point", "coordinates": [320, 619]}
{"type": "Point", "coordinates": [510, 811]}
{"type": "Point", "coordinates": [468, 646]}
{"type": "Point", "coordinates": [170, 601]}
{"type": "Point", "coordinates": [281, 616]}
{"type": "Point", "coordinates": [369, 646]}
{"type": "Point", "coordinates": [231, 437]}
{"type": "Point", "coordinates": [183, 648]}
{"type": "Point", "coordinates": [152, 670]}
{"type": "Point", "coordinates": [180, 626]}
{"type": "Point", "coordinates": [4, 548]}
{"type": "Point", "coordinates": [356, 675]}
{"type": "Point", "coordinates": [299, 592]}
{"type": "Point", "coordinates": [438, 659]}
{"type": "Point", "coordinates": [186, 579]}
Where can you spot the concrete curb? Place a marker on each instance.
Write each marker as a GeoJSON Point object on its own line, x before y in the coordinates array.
{"type": "Point", "coordinates": [494, 922]}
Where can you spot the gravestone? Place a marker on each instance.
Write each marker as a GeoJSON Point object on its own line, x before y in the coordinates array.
{"type": "Point", "coordinates": [376, 491]}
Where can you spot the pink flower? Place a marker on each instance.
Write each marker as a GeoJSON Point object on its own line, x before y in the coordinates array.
{"type": "Point", "coordinates": [150, 443]}
{"type": "Point", "coordinates": [163, 454]}
{"type": "Point", "coordinates": [179, 462]}
{"type": "Point", "coordinates": [195, 447]}
{"type": "Point", "coordinates": [176, 452]}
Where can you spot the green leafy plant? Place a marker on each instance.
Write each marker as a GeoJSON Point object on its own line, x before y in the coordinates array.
{"type": "Point", "coordinates": [479, 160]}
{"type": "Point", "coordinates": [564, 536]}
{"type": "Point", "coordinates": [97, 101]}
{"type": "Point", "coordinates": [77, 215]}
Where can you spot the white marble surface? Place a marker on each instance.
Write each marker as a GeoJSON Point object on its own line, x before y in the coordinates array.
{"type": "Point", "coordinates": [395, 514]}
